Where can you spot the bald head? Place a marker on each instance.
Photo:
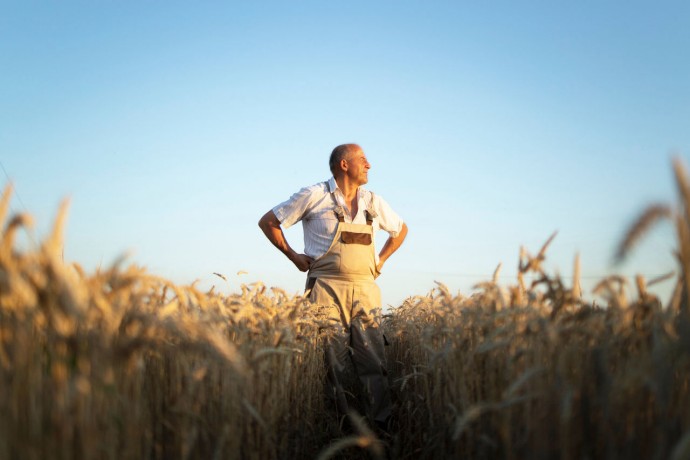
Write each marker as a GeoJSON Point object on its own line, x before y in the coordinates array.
{"type": "Point", "coordinates": [341, 152]}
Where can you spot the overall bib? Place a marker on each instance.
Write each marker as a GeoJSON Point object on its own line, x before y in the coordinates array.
{"type": "Point", "coordinates": [342, 280]}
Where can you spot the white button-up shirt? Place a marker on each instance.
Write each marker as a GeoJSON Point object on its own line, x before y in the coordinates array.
{"type": "Point", "coordinates": [314, 206]}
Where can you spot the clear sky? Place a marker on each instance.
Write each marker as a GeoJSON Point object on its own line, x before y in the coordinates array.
{"type": "Point", "coordinates": [173, 126]}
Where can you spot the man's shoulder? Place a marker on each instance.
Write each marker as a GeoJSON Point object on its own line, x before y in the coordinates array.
{"type": "Point", "coordinates": [318, 188]}
{"type": "Point", "coordinates": [300, 203]}
{"type": "Point", "coordinates": [310, 193]}
{"type": "Point", "coordinates": [321, 186]}
{"type": "Point", "coordinates": [368, 195]}
{"type": "Point", "coordinates": [376, 201]}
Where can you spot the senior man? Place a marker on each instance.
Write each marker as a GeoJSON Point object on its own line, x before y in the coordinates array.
{"type": "Point", "coordinates": [340, 219]}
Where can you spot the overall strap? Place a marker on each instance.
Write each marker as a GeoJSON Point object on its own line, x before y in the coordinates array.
{"type": "Point", "coordinates": [369, 212]}
{"type": "Point", "coordinates": [370, 218]}
{"type": "Point", "coordinates": [339, 211]}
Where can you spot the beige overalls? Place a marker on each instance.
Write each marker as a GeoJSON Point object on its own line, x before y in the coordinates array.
{"type": "Point", "coordinates": [342, 280]}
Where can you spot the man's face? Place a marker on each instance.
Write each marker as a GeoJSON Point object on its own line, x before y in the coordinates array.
{"type": "Point", "coordinates": [358, 167]}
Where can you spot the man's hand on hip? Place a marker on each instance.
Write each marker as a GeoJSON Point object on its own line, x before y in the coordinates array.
{"type": "Point", "coordinates": [301, 261]}
{"type": "Point", "coordinates": [270, 225]}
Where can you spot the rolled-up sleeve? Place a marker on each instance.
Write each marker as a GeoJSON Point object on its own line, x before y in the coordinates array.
{"type": "Point", "coordinates": [388, 219]}
{"type": "Point", "coordinates": [291, 211]}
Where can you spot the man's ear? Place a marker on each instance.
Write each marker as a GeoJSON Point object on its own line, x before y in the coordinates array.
{"type": "Point", "coordinates": [343, 164]}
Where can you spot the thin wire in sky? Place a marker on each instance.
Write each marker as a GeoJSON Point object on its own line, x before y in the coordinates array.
{"type": "Point", "coordinates": [19, 198]}
{"type": "Point", "coordinates": [7, 176]}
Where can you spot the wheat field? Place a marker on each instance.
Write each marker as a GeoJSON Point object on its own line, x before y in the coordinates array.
{"type": "Point", "coordinates": [122, 364]}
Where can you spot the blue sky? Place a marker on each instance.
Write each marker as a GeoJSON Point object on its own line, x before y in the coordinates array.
{"type": "Point", "coordinates": [173, 126]}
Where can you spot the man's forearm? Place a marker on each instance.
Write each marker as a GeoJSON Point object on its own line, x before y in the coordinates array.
{"type": "Point", "coordinates": [270, 225]}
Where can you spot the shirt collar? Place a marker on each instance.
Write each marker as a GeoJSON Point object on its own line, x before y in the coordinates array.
{"type": "Point", "coordinates": [332, 185]}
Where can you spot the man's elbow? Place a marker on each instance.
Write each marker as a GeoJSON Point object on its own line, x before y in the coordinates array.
{"type": "Point", "coordinates": [263, 221]}
{"type": "Point", "coordinates": [268, 220]}
{"type": "Point", "coordinates": [403, 232]}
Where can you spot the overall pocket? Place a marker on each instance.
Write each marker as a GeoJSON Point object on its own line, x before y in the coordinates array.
{"type": "Point", "coordinates": [356, 253]}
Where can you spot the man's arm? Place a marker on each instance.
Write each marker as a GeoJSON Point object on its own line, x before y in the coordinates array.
{"type": "Point", "coordinates": [392, 245]}
{"type": "Point", "coordinates": [270, 225]}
